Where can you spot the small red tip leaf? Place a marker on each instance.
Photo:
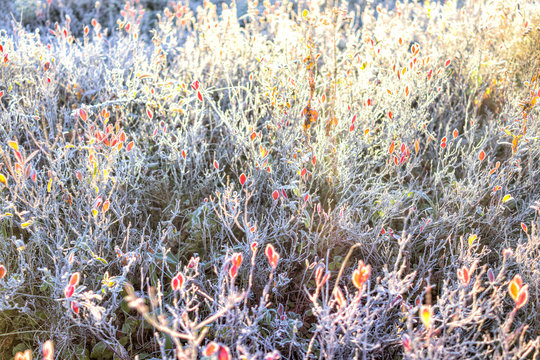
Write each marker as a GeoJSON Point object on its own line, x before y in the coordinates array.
{"type": "Point", "coordinates": [83, 114]}
{"type": "Point", "coordinates": [2, 271]}
{"type": "Point", "coordinates": [482, 155]}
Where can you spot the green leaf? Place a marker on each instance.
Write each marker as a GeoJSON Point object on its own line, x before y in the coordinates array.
{"type": "Point", "coordinates": [101, 351]}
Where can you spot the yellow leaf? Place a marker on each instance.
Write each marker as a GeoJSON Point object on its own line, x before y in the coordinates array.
{"type": "Point", "coordinates": [13, 144]}
{"type": "Point", "coordinates": [49, 185]}
{"type": "Point", "coordinates": [3, 179]}
{"type": "Point", "coordinates": [94, 212]}
{"type": "Point", "coordinates": [472, 238]}
{"type": "Point", "coordinates": [425, 316]}
{"type": "Point", "coordinates": [506, 198]}
{"type": "Point", "coordinates": [26, 224]}
{"type": "Point", "coordinates": [509, 133]}
{"type": "Point", "coordinates": [305, 13]}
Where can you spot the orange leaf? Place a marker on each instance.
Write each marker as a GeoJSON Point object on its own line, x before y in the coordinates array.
{"type": "Point", "coordinates": [340, 298]}
{"type": "Point", "coordinates": [210, 349]}
{"type": "Point", "coordinates": [106, 205]}
{"type": "Point", "coordinates": [513, 289]}
{"type": "Point", "coordinates": [74, 280]}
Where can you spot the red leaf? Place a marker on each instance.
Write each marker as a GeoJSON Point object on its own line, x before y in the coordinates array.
{"type": "Point", "coordinates": [524, 227]}
{"type": "Point", "coordinates": [243, 179]}
{"type": "Point", "coordinates": [223, 353]}
{"type": "Point", "coordinates": [314, 160]}
{"type": "Point", "coordinates": [83, 114]}
{"type": "Point", "coordinates": [97, 202]}
{"type": "Point", "coordinates": [351, 128]}
{"type": "Point", "coordinates": [481, 155]}
{"type": "Point", "coordinates": [184, 154]}
{"type": "Point", "coordinates": [447, 63]}
{"type": "Point", "coordinates": [390, 114]}
{"type": "Point", "coordinates": [149, 113]}
{"type": "Point", "coordinates": [490, 275]}
{"type": "Point", "coordinates": [69, 290]}
{"type": "Point", "coordinates": [275, 195]}
{"type": "Point", "coordinates": [199, 95]}
{"type": "Point", "coordinates": [178, 281]}
{"type": "Point", "coordinates": [455, 133]}
{"type": "Point", "coordinates": [216, 165]}
{"type": "Point", "coordinates": [406, 341]}
{"type": "Point", "coordinates": [2, 271]}
{"type": "Point", "coordinates": [129, 146]}
{"type": "Point", "coordinates": [75, 307]}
